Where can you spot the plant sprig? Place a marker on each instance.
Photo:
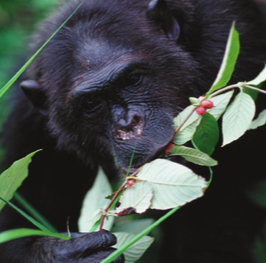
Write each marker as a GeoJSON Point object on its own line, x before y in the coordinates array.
{"type": "Point", "coordinates": [190, 122]}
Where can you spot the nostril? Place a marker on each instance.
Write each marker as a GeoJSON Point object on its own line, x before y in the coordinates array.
{"type": "Point", "coordinates": [132, 128]}
{"type": "Point", "coordinates": [136, 120]}
{"type": "Point", "coordinates": [131, 122]}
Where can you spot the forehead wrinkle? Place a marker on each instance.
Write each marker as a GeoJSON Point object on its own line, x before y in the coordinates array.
{"type": "Point", "coordinates": [82, 81]}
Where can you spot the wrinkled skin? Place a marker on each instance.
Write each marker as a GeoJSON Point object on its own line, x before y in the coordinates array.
{"type": "Point", "coordinates": [109, 84]}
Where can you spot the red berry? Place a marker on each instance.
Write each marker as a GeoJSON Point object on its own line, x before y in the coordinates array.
{"type": "Point", "coordinates": [167, 150]}
{"type": "Point", "coordinates": [207, 104]}
{"type": "Point", "coordinates": [130, 183]}
{"type": "Point", "coordinates": [200, 110]}
{"type": "Point", "coordinates": [120, 213]}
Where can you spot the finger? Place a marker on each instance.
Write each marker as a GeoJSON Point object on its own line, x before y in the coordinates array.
{"type": "Point", "coordinates": [95, 240]}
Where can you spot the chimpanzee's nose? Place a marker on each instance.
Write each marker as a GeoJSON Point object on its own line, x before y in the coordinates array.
{"type": "Point", "coordinates": [130, 127]}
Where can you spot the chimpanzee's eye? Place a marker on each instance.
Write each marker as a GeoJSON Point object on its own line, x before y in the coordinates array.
{"type": "Point", "coordinates": [132, 79]}
{"type": "Point", "coordinates": [91, 104]}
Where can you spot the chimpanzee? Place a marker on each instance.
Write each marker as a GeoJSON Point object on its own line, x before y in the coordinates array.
{"type": "Point", "coordinates": [109, 84]}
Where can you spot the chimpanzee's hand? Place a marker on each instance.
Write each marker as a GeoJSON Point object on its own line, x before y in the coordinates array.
{"type": "Point", "coordinates": [81, 248]}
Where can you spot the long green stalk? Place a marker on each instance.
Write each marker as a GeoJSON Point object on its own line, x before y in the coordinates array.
{"type": "Point", "coordinates": [24, 67]}
{"type": "Point", "coordinates": [29, 218]}
{"type": "Point", "coordinates": [121, 250]}
{"type": "Point", "coordinates": [32, 211]}
{"type": "Point", "coordinates": [25, 232]}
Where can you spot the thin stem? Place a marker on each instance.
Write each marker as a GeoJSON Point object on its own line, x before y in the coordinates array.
{"type": "Point", "coordinates": [223, 90]}
{"type": "Point", "coordinates": [185, 120]}
{"type": "Point", "coordinates": [135, 173]}
{"type": "Point", "coordinates": [131, 161]}
{"type": "Point", "coordinates": [123, 248]}
{"type": "Point", "coordinates": [253, 88]}
{"type": "Point", "coordinates": [121, 188]}
{"type": "Point", "coordinates": [134, 178]}
{"type": "Point", "coordinates": [238, 85]}
{"type": "Point", "coordinates": [211, 176]}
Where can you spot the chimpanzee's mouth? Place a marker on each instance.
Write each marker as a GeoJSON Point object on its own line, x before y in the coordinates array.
{"type": "Point", "coordinates": [161, 153]}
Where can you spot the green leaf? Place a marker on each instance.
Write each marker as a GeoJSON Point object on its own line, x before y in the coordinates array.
{"type": "Point", "coordinates": [25, 232]}
{"type": "Point", "coordinates": [93, 202]}
{"type": "Point", "coordinates": [173, 184]}
{"type": "Point", "coordinates": [12, 178]}
{"type": "Point", "coordinates": [194, 101]}
{"type": "Point", "coordinates": [259, 79]}
{"type": "Point", "coordinates": [134, 226]}
{"type": "Point", "coordinates": [19, 73]}
{"type": "Point", "coordinates": [220, 103]}
{"type": "Point", "coordinates": [207, 134]}
{"type": "Point", "coordinates": [252, 93]}
{"type": "Point", "coordinates": [229, 61]}
{"type": "Point", "coordinates": [96, 217]}
{"type": "Point", "coordinates": [258, 82]}
{"type": "Point", "coordinates": [138, 197]}
{"type": "Point", "coordinates": [237, 118]}
{"type": "Point", "coordinates": [136, 251]}
{"type": "Point", "coordinates": [260, 121]}
{"type": "Point", "coordinates": [193, 155]}
{"type": "Point", "coordinates": [188, 129]}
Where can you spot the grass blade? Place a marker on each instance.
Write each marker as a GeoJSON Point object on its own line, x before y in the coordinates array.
{"type": "Point", "coordinates": [24, 67]}
{"type": "Point", "coordinates": [25, 232]}
{"type": "Point", "coordinates": [32, 220]}
{"type": "Point", "coordinates": [32, 211]}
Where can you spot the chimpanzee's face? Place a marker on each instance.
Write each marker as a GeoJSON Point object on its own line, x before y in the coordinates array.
{"type": "Point", "coordinates": [116, 91]}
{"type": "Point", "coordinates": [121, 103]}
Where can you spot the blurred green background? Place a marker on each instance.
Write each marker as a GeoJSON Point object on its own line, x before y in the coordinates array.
{"type": "Point", "coordinates": [18, 19]}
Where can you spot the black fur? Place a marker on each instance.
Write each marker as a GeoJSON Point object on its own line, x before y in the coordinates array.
{"type": "Point", "coordinates": [111, 81]}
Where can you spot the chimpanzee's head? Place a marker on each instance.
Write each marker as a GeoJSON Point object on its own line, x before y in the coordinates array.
{"type": "Point", "coordinates": [113, 79]}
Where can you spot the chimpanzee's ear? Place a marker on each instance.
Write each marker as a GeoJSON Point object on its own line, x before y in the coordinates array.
{"type": "Point", "coordinates": [35, 93]}
{"type": "Point", "coordinates": [159, 13]}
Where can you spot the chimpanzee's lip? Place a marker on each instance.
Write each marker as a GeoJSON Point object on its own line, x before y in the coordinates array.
{"type": "Point", "coordinates": [159, 154]}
